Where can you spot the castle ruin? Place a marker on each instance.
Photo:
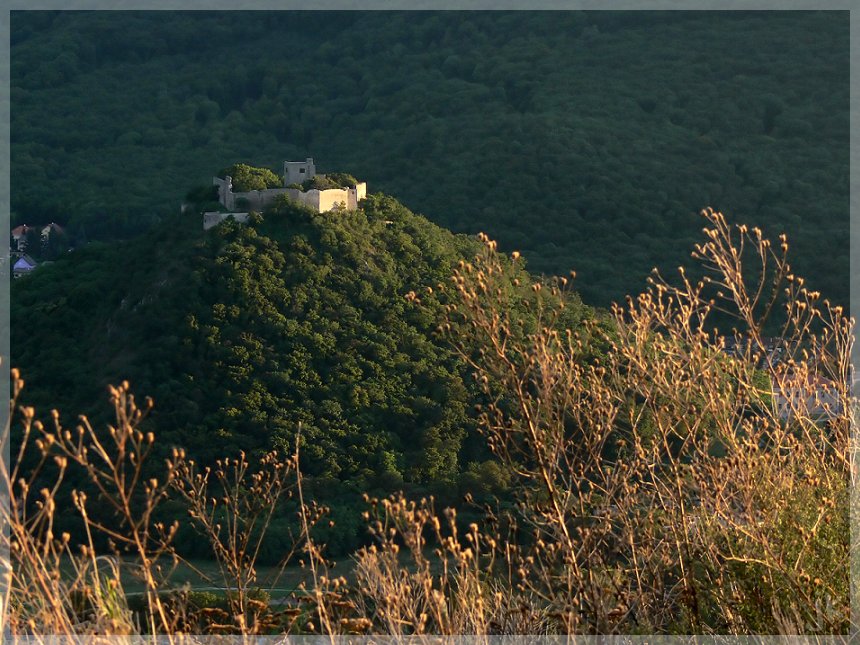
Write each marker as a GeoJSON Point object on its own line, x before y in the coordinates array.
{"type": "Point", "coordinates": [295, 172]}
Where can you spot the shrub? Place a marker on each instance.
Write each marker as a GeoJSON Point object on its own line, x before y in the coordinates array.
{"type": "Point", "coordinates": [330, 181]}
{"type": "Point", "coordinates": [247, 178]}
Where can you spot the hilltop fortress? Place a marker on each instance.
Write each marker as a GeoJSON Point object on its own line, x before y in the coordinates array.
{"type": "Point", "coordinates": [295, 172]}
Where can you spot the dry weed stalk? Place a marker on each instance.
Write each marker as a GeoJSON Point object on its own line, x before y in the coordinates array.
{"type": "Point", "coordinates": [234, 512]}
{"type": "Point", "coordinates": [443, 591]}
{"type": "Point", "coordinates": [330, 599]}
{"type": "Point", "coordinates": [669, 484]}
{"type": "Point", "coordinates": [52, 589]}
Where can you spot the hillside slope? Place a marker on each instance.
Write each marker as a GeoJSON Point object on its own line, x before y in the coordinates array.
{"type": "Point", "coordinates": [242, 334]}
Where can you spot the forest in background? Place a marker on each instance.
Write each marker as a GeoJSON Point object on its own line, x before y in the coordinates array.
{"type": "Point", "coordinates": [587, 140]}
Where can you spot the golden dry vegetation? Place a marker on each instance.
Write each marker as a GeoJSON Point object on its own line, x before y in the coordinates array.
{"type": "Point", "coordinates": [663, 485]}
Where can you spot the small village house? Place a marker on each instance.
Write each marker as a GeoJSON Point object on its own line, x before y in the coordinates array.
{"type": "Point", "coordinates": [23, 265]}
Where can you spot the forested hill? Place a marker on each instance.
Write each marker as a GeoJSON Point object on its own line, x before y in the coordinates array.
{"type": "Point", "coordinates": [244, 332]}
{"type": "Point", "coordinates": [588, 140]}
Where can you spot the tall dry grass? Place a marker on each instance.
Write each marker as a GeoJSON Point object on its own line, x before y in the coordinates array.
{"type": "Point", "coordinates": [232, 505]}
{"type": "Point", "coordinates": [666, 486]}
{"type": "Point", "coordinates": [42, 597]}
{"type": "Point", "coordinates": [662, 483]}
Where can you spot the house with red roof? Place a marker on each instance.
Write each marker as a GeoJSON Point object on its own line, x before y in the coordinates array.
{"type": "Point", "coordinates": [19, 237]}
{"type": "Point", "coordinates": [51, 229]}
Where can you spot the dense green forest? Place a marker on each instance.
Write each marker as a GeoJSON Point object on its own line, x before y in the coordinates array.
{"type": "Point", "coordinates": [588, 140]}
{"type": "Point", "coordinates": [247, 334]}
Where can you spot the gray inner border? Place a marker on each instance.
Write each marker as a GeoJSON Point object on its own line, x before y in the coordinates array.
{"type": "Point", "coordinates": [5, 269]}
{"type": "Point", "coordinates": [5, 261]}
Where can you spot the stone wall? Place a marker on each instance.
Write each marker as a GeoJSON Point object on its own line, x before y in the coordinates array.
{"type": "Point", "coordinates": [329, 199]}
{"type": "Point", "coordinates": [257, 200]}
{"type": "Point", "coordinates": [225, 191]}
{"type": "Point", "coordinates": [356, 195]}
{"type": "Point", "coordinates": [320, 201]}
{"type": "Point", "coordinates": [213, 218]}
{"type": "Point", "coordinates": [253, 199]}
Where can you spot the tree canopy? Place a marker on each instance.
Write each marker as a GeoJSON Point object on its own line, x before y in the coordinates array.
{"type": "Point", "coordinates": [587, 140]}
{"type": "Point", "coordinates": [248, 332]}
{"type": "Point", "coordinates": [246, 178]}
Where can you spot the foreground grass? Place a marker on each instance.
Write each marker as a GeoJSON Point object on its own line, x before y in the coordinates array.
{"type": "Point", "coordinates": [664, 484]}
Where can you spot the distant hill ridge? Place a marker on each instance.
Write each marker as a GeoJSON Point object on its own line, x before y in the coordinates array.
{"type": "Point", "coordinates": [584, 139]}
